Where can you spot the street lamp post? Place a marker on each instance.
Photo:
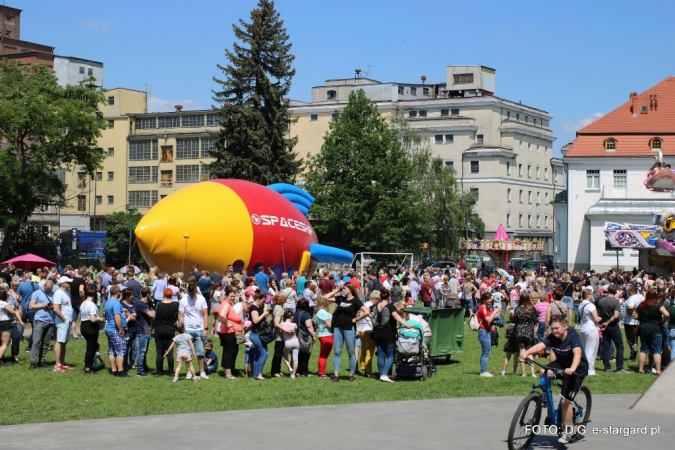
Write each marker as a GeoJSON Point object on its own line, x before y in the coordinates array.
{"type": "Point", "coordinates": [130, 210]}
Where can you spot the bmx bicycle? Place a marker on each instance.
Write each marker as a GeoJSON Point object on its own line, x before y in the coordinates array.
{"type": "Point", "coordinates": [528, 415]}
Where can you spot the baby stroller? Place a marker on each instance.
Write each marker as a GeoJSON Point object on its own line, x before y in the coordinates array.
{"type": "Point", "coordinates": [412, 358]}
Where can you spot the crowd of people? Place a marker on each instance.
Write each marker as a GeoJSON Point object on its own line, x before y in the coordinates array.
{"type": "Point", "coordinates": [334, 309]}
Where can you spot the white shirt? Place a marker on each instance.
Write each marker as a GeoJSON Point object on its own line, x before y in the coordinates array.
{"type": "Point", "coordinates": [365, 324]}
{"type": "Point", "coordinates": [88, 310]}
{"type": "Point", "coordinates": [588, 324]}
{"type": "Point", "coordinates": [632, 302]}
{"type": "Point", "coordinates": [4, 315]}
{"type": "Point", "coordinates": [239, 309]}
{"type": "Point", "coordinates": [193, 308]}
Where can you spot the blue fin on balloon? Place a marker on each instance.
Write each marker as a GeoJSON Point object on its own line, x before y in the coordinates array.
{"type": "Point", "coordinates": [299, 197]}
{"type": "Point", "coordinates": [330, 254]}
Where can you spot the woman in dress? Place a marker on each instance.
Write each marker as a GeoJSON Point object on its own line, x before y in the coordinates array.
{"type": "Point", "coordinates": [526, 319]}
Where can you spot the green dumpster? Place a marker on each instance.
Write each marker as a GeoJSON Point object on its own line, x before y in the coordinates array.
{"type": "Point", "coordinates": [447, 329]}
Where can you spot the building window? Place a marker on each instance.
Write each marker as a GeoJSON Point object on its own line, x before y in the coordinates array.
{"type": "Point", "coordinates": [9, 19]}
{"type": "Point", "coordinates": [111, 100]}
{"type": "Point", "coordinates": [143, 149]}
{"type": "Point", "coordinates": [169, 122]}
{"type": "Point", "coordinates": [508, 114]}
{"type": "Point", "coordinates": [538, 173]}
{"type": "Point", "coordinates": [545, 173]}
{"type": "Point", "coordinates": [449, 138]}
{"type": "Point", "coordinates": [529, 197]}
{"type": "Point", "coordinates": [412, 113]}
{"type": "Point", "coordinates": [81, 70]}
{"type": "Point", "coordinates": [331, 95]}
{"type": "Point", "coordinates": [438, 139]}
{"type": "Point", "coordinates": [527, 119]}
{"type": "Point", "coordinates": [454, 112]}
{"type": "Point", "coordinates": [449, 164]}
{"type": "Point", "coordinates": [508, 195]}
{"type": "Point", "coordinates": [534, 121]}
{"type": "Point", "coordinates": [187, 148]}
{"type": "Point", "coordinates": [111, 176]}
{"type": "Point", "coordinates": [508, 167]}
{"type": "Point", "coordinates": [608, 246]}
{"type": "Point", "coordinates": [425, 91]}
{"type": "Point", "coordinates": [520, 220]}
{"type": "Point", "coordinates": [592, 179]}
{"type": "Point", "coordinates": [99, 176]}
{"type": "Point", "coordinates": [475, 166]}
{"type": "Point", "coordinates": [545, 150]}
{"type": "Point", "coordinates": [620, 179]}
{"type": "Point", "coordinates": [555, 175]}
{"type": "Point", "coordinates": [401, 90]}
{"type": "Point", "coordinates": [111, 123]}
{"type": "Point", "coordinates": [81, 179]}
{"type": "Point", "coordinates": [194, 120]}
{"type": "Point", "coordinates": [142, 199]}
{"type": "Point", "coordinates": [111, 199]}
{"type": "Point", "coordinates": [520, 145]}
{"type": "Point", "coordinates": [508, 219]}
{"type": "Point", "coordinates": [111, 151]}
{"type": "Point", "coordinates": [144, 174]}
{"type": "Point", "coordinates": [81, 202]}
{"type": "Point", "coordinates": [212, 120]}
{"type": "Point", "coordinates": [475, 195]}
{"type": "Point", "coordinates": [538, 198]}
{"type": "Point", "coordinates": [520, 170]}
{"type": "Point", "coordinates": [517, 116]}
{"type": "Point", "coordinates": [166, 178]}
{"type": "Point", "coordinates": [463, 78]}
{"type": "Point", "coordinates": [610, 144]}
{"type": "Point", "coordinates": [538, 221]}
{"type": "Point", "coordinates": [313, 117]}
{"type": "Point", "coordinates": [545, 221]}
{"type": "Point", "coordinates": [413, 91]}
{"type": "Point", "coordinates": [520, 196]}
{"type": "Point", "coordinates": [655, 144]}
{"type": "Point", "coordinates": [546, 198]}
{"type": "Point", "coordinates": [529, 146]}
{"type": "Point", "coordinates": [167, 153]}
{"type": "Point", "coordinates": [479, 139]}
{"type": "Point", "coordinates": [208, 145]}
{"type": "Point", "coordinates": [538, 148]}
{"type": "Point", "coordinates": [423, 113]}
{"type": "Point", "coordinates": [444, 139]}
{"type": "Point", "coordinates": [187, 174]}
{"type": "Point", "coordinates": [529, 220]}
{"type": "Point", "coordinates": [529, 171]}
{"type": "Point", "coordinates": [445, 112]}
{"type": "Point", "coordinates": [90, 72]}
{"type": "Point", "coordinates": [99, 200]}
{"type": "Point", "coordinates": [334, 115]}
{"type": "Point", "coordinates": [204, 173]}
{"type": "Point", "coordinates": [146, 123]}
{"type": "Point", "coordinates": [61, 175]}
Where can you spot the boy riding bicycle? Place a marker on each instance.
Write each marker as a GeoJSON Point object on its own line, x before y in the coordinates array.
{"type": "Point", "coordinates": [567, 354]}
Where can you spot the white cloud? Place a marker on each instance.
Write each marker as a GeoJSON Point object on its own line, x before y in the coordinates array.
{"type": "Point", "coordinates": [573, 127]}
{"type": "Point", "coordinates": [161, 105]}
{"type": "Point", "coordinates": [102, 25]}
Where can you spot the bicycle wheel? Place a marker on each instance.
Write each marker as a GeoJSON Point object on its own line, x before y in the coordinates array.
{"type": "Point", "coordinates": [582, 409]}
{"type": "Point", "coordinates": [521, 432]}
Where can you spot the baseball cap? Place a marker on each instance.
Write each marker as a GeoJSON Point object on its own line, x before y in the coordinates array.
{"type": "Point", "coordinates": [64, 279]}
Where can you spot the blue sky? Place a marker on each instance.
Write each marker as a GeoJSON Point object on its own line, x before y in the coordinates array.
{"type": "Point", "coordinates": [575, 59]}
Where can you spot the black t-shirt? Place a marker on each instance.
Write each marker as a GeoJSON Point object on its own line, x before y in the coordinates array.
{"type": "Point", "coordinates": [345, 312]}
{"type": "Point", "coordinates": [256, 326]}
{"type": "Point", "coordinates": [166, 316]}
{"type": "Point", "coordinates": [563, 350]}
{"type": "Point", "coordinates": [385, 325]}
{"type": "Point", "coordinates": [568, 287]}
{"type": "Point", "coordinates": [75, 291]}
{"type": "Point", "coordinates": [135, 287]}
{"type": "Point", "coordinates": [143, 321]}
{"type": "Point", "coordinates": [196, 274]}
{"type": "Point", "coordinates": [606, 307]}
{"type": "Point", "coordinates": [575, 279]}
{"type": "Point", "coordinates": [216, 279]}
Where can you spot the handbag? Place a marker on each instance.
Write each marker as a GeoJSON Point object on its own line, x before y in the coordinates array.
{"type": "Point", "coordinates": [265, 333]}
{"type": "Point", "coordinates": [473, 322]}
{"type": "Point", "coordinates": [305, 339]}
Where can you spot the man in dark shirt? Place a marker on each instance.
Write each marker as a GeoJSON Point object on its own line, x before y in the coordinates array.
{"type": "Point", "coordinates": [195, 271]}
{"type": "Point", "coordinates": [133, 284]}
{"type": "Point", "coordinates": [609, 310]}
{"type": "Point", "coordinates": [77, 287]}
{"type": "Point", "coordinates": [144, 315]}
{"type": "Point", "coordinates": [327, 284]}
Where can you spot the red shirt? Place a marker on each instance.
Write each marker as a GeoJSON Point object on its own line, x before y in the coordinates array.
{"type": "Point", "coordinates": [427, 292]}
{"type": "Point", "coordinates": [355, 282]}
{"type": "Point", "coordinates": [481, 315]}
{"type": "Point", "coordinates": [326, 286]}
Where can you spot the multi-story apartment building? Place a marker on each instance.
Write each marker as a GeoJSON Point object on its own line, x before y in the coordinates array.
{"type": "Point", "coordinates": [500, 149]}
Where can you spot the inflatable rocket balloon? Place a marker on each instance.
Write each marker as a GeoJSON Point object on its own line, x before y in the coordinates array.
{"type": "Point", "coordinates": [219, 223]}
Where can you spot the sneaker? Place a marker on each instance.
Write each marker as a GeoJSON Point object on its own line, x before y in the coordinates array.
{"type": "Point", "coordinates": [59, 369]}
{"type": "Point", "coordinates": [565, 438]}
{"type": "Point", "coordinates": [175, 379]}
{"type": "Point", "coordinates": [122, 374]}
{"type": "Point", "coordinates": [486, 374]}
{"type": "Point", "coordinates": [351, 378]}
{"type": "Point", "coordinates": [653, 370]}
{"type": "Point", "coordinates": [33, 366]}
{"type": "Point", "coordinates": [523, 375]}
{"type": "Point", "coordinates": [203, 375]}
{"type": "Point", "coordinates": [292, 377]}
{"type": "Point", "coordinates": [608, 371]}
{"type": "Point", "coordinates": [197, 378]}
{"type": "Point", "coordinates": [513, 373]}
{"type": "Point", "coordinates": [534, 375]}
{"type": "Point", "coordinates": [503, 372]}
{"type": "Point", "coordinates": [141, 374]}
{"type": "Point", "coordinates": [336, 379]}
{"type": "Point", "coordinates": [188, 376]}
{"type": "Point", "coordinates": [623, 371]}
{"type": "Point", "coordinates": [612, 360]}
{"type": "Point", "coordinates": [67, 367]}
{"type": "Point", "coordinates": [90, 372]}
{"type": "Point", "coordinates": [386, 379]}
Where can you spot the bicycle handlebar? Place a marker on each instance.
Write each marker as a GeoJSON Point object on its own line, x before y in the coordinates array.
{"type": "Point", "coordinates": [555, 370]}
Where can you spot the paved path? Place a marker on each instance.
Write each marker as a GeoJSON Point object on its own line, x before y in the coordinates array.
{"type": "Point", "coordinates": [460, 423]}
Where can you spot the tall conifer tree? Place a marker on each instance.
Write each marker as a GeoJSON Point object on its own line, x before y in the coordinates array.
{"type": "Point", "coordinates": [253, 142]}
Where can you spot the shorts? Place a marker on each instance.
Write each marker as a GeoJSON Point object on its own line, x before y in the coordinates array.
{"type": "Point", "coordinates": [117, 345]}
{"type": "Point", "coordinates": [198, 341]}
{"type": "Point", "coordinates": [357, 342]}
{"type": "Point", "coordinates": [184, 357]}
{"type": "Point", "coordinates": [570, 383]}
{"type": "Point", "coordinates": [214, 307]}
{"type": "Point", "coordinates": [650, 342]}
{"type": "Point", "coordinates": [76, 312]}
{"type": "Point", "coordinates": [5, 326]}
{"type": "Point", "coordinates": [63, 332]}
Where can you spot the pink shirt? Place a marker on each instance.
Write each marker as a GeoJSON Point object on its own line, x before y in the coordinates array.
{"type": "Point", "coordinates": [541, 308]}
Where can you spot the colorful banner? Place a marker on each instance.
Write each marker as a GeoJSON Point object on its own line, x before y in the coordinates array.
{"type": "Point", "coordinates": [628, 235]}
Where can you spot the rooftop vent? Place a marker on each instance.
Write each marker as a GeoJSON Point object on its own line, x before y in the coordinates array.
{"type": "Point", "coordinates": [424, 78]}
{"type": "Point", "coordinates": [644, 109]}
{"type": "Point", "coordinates": [179, 108]}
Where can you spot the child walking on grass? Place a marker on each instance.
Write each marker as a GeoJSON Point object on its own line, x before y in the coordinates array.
{"type": "Point", "coordinates": [184, 349]}
{"type": "Point", "coordinates": [291, 343]}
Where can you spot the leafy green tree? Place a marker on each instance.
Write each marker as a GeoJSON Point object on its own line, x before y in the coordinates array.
{"type": "Point", "coordinates": [29, 238]}
{"type": "Point", "coordinates": [253, 142]}
{"type": "Point", "coordinates": [43, 127]}
{"type": "Point", "coordinates": [119, 227]}
{"type": "Point", "coordinates": [361, 180]}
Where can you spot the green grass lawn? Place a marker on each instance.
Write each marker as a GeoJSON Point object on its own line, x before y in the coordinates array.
{"type": "Point", "coordinates": [43, 396]}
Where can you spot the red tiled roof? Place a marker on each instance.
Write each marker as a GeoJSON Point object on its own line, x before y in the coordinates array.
{"type": "Point", "coordinates": [632, 129]}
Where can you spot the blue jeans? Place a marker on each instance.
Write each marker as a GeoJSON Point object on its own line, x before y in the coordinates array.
{"type": "Point", "coordinates": [672, 338]}
{"type": "Point", "coordinates": [213, 368]}
{"type": "Point", "coordinates": [486, 345]}
{"type": "Point", "coordinates": [349, 338]}
{"type": "Point", "coordinates": [540, 331]}
{"type": "Point", "coordinates": [569, 303]}
{"type": "Point", "coordinates": [141, 345]}
{"type": "Point", "coordinates": [259, 354]}
{"type": "Point", "coordinates": [383, 351]}
{"type": "Point", "coordinates": [132, 349]}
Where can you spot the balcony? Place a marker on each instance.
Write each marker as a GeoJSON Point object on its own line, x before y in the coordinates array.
{"type": "Point", "coordinates": [632, 192]}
